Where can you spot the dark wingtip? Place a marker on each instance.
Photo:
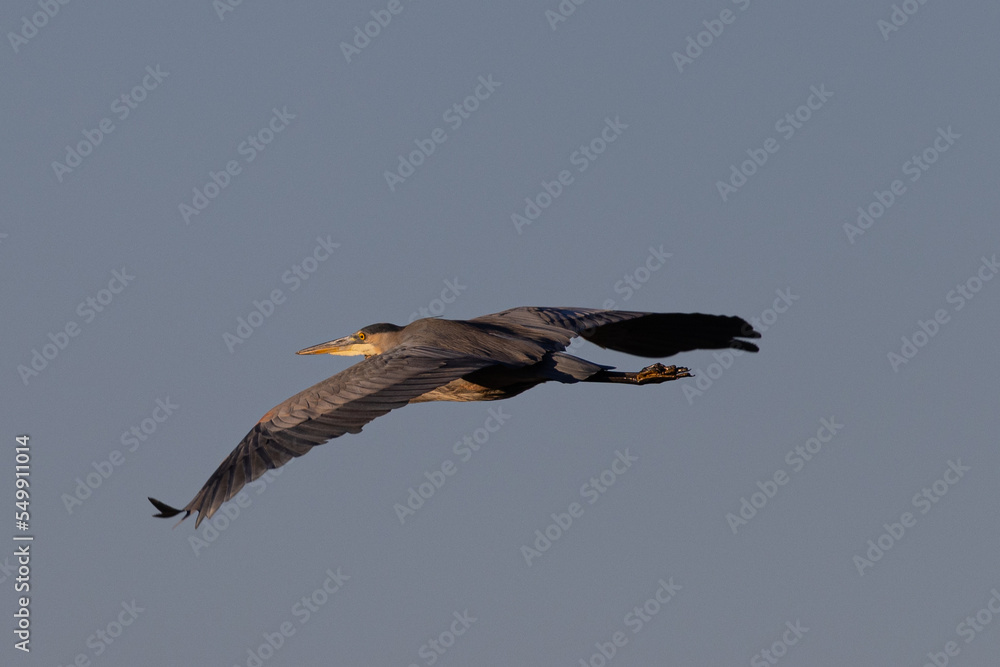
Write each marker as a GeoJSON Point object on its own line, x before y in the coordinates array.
{"type": "Point", "coordinates": [747, 330]}
{"type": "Point", "coordinates": [743, 345]}
{"type": "Point", "coordinates": [166, 511]}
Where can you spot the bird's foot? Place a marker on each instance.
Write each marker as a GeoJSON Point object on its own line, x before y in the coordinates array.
{"type": "Point", "coordinates": [660, 373]}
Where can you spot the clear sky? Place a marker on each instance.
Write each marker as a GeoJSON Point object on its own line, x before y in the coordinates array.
{"type": "Point", "coordinates": [192, 193]}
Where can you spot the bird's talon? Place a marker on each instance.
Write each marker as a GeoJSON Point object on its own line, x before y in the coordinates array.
{"type": "Point", "coordinates": [659, 373]}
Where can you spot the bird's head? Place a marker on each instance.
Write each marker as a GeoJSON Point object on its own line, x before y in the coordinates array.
{"type": "Point", "coordinates": [373, 339]}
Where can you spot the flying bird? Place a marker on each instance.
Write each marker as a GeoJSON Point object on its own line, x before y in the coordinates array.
{"type": "Point", "coordinates": [483, 359]}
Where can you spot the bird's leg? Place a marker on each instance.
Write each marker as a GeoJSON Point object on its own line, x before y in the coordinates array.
{"type": "Point", "coordinates": [649, 375]}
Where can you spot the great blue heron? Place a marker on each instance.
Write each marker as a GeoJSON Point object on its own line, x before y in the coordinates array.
{"type": "Point", "coordinates": [484, 359]}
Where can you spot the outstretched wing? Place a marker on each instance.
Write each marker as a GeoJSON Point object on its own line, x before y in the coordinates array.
{"type": "Point", "coordinates": [341, 404]}
{"type": "Point", "coordinates": [559, 325]}
{"type": "Point", "coordinates": [665, 334]}
{"type": "Point", "coordinates": [642, 334]}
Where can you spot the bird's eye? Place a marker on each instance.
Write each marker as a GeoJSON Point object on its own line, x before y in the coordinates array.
{"type": "Point", "coordinates": [361, 335]}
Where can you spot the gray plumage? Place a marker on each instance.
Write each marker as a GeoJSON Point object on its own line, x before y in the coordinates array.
{"type": "Point", "coordinates": [487, 358]}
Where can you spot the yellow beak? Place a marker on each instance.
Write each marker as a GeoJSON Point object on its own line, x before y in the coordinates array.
{"type": "Point", "coordinates": [347, 346]}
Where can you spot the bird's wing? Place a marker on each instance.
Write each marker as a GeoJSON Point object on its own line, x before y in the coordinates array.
{"type": "Point", "coordinates": [343, 403]}
{"type": "Point", "coordinates": [642, 334]}
{"type": "Point", "coordinates": [558, 324]}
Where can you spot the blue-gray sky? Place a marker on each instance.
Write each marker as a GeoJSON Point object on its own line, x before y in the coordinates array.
{"type": "Point", "coordinates": [711, 157]}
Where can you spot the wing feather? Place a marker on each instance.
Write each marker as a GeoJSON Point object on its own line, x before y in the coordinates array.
{"type": "Point", "coordinates": [559, 324]}
{"type": "Point", "coordinates": [638, 333]}
{"type": "Point", "coordinates": [341, 404]}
